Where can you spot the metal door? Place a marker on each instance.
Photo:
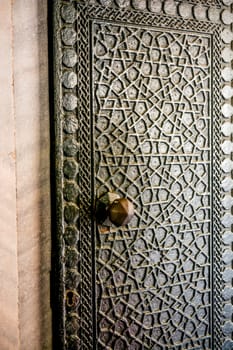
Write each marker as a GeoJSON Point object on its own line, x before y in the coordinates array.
{"type": "Point", "coordinates": [143, 109]}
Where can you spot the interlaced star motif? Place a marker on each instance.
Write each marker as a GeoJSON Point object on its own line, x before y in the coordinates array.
{"type": "Point", "coordinates": [152, 110]}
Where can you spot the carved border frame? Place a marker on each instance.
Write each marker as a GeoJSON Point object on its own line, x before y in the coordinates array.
{"type": "Point", "coordinates": [73, 268]}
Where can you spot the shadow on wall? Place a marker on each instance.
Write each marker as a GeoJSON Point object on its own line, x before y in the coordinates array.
{"type": "Point", "coordinates": [44, 26]}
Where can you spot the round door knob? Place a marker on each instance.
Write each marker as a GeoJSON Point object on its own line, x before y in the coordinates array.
{"type": "Point", "coordinates": [121, 212]}
{"type": "Point", "coordinates": [111, 209]}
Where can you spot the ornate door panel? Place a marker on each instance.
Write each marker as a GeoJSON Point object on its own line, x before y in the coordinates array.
{"type": "Point", "coordinates": [142, 109]}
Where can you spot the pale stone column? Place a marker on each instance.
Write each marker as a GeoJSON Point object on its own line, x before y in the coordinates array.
{"type": "Point", "coordinates": [9, 335]}
{"type": "Point", "coordinates": [25, 233]}
{"type": "Point", "coordinates": [33, 182]}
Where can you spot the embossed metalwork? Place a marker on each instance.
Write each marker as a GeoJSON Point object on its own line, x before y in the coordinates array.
{"type": "Point", "coordinates": [138, 102]}
{"type": "Point", "coordinates": [153, 121]}
{"type": "Point", "coordinates": [215, 3]}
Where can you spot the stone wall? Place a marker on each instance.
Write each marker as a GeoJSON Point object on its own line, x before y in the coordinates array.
{"type": "Point", "coordinates": [25, 315]}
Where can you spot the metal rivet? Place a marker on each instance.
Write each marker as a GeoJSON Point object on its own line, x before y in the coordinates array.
{"type": "Point", "coordinates": [69, 80]}
{"type": "Point", "coordinates": [69, 58]}
{"type": "Point", "coordinates": [69, 36]}
{"type": "Point", "coordinates": [70, 102]}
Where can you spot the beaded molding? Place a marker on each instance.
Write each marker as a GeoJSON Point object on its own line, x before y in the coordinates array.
{"type": "Point", "coordinates": [227, 183]}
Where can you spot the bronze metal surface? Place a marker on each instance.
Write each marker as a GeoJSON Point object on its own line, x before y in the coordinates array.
{"type": "Point", "coordinates": [143, 106]}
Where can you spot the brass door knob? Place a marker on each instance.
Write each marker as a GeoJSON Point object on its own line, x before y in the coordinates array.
{"type": "Point", "coordinates": [121, 212]}
{"type": "Point", "coordinates": [111, 209]}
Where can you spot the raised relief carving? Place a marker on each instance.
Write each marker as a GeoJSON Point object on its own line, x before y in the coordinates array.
{"type": "Point", "coordinates": [155, 137]}
{"type": "Point", "coordinates": [152, 122]}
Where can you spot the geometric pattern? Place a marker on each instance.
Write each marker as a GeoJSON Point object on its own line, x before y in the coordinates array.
{"type": "Point", "coordinates": [170, 272]}
{"type": "Point", "coordinates": [152, 96]}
